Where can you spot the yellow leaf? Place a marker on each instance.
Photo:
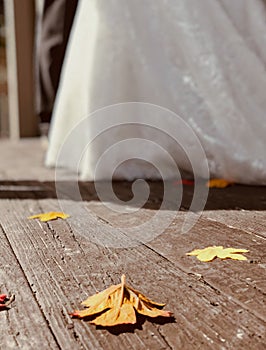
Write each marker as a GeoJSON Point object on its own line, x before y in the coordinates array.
{"type": "Point", "coordinates": [210, 253]}
{"type": "Point", "coordinates": [199, 251]}
{"type": "Point", "coordinates": [125, 314]}
{"type": "Point", "coordinates": [118, 304]}
{"type": "Point", "coordinates": [235, 257]}
{"type": "Point", "coordinates": [231, 252]}
{"type": "Point", "coordinates": [52, 215]}
{"type": "Point", "coordinates": [218, 183]}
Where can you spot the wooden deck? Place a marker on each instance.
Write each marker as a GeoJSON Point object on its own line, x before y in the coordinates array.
{"type": "Point", "coordinates": [51, 267]}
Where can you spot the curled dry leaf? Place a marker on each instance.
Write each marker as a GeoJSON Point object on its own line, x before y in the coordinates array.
{"type": "Point", "coordinates": [218, 183]}
{"type": "Point", "coordinates": [52, 215]}
{"type": "Point", "coordinates": [210, 253]}
{"type": "Point", "coordinates": [118, 304]}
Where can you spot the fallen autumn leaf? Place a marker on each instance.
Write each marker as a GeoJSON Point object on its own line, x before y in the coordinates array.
{"type": "Point", "coordinates": [218, 183]}
{"type": "Point", "coordinates": [119, 303]}
{"type": "Point", "coordinates": [52, 215]}
{"type": "Point", "coordinates": [210, 253]}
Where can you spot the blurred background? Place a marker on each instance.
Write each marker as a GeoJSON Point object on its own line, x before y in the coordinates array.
{"type": "Point", "coordinates": [18, 33]}
{"type": "Point", "coordinates": [3, 76]}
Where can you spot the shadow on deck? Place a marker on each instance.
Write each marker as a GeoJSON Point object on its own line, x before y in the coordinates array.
{"type": "Point", "coordinates": [235, 197]}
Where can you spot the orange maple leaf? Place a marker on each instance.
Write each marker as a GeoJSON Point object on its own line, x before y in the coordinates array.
{"type": "Point", "coordinates": [210, 253]}
{"type": "Point", "coordinates": [52, 215]}
{"type": "Point", "coordinates": [118, 304]}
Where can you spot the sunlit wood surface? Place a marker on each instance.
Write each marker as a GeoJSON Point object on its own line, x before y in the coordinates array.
{"type": "Point", "coordinates": [51, 267]}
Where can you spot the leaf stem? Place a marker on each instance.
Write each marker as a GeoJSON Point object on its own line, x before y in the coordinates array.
{"type": "Point", "coordinates": [123, 281]}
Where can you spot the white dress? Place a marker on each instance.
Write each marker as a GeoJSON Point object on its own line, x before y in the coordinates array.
{"type": "Point", "coordinates": [151, 87]}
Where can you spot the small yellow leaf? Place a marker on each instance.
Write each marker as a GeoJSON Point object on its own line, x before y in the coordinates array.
{"type": "Point", "coordinates": [218, 183]}
{"type": "Point", "coordinates": [229, 252]}
{"type": "Point", "coordinates": [52, 215]}
{"type": "Point", "coordinates": [207, 255]}
{"type": "Point", "coordinates": [118, 304]}
{"type": "Point", "coordinates": [236, 250]}
{"type": "Point", "coordinates": [210, 253]}
{"type": "Point", "coordinates": [196, 252]}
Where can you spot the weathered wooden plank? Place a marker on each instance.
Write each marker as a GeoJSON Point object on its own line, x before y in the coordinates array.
{"type": "Point", "coordinates": [25, 190]}
{"type": "Point", "coordinates": [153, 264]}
{"type": "Point", "coordinates": [59, 274]}
{"type": "Point", "coordinates": [68, 267]}
{"type": "Point", "coordinates": [236, 197]}
{"type": "Point", "coordinates": [246, 285]}
{"type": "Point", "coordinates": [242, 281]}
{"type": "Point", "coordinates": [23, 326]}
{"type": "Point", "coordinates": [24, 160]}
{"type": "Point", "coordinates": [249, 221]}
{"type": "Point", "coordinates": [44, 280]}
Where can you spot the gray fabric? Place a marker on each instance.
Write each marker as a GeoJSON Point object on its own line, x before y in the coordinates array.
{"type": "Point", "coordinates": [56, 22]}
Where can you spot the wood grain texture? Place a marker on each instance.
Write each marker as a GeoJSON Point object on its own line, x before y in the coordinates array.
{"type": "Point", "coordinates": [68, 267]}
{"type": "Point", "coordinates": [62, 275]}
{"type": "Point", "coordinates": [250, 221]}
{"type": "Point", "coordinates": [52, 267]}
{"type": "Point", "coordinates": [23, 326]}
{"type": "Point", "coordinates": [243, 284]}
{"type": "Point", "coordinates": [247, 285]}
